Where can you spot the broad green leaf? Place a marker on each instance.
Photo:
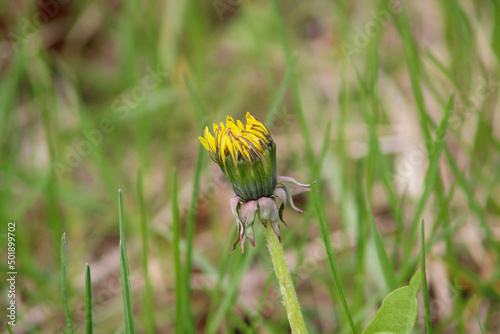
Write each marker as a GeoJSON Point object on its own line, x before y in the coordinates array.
{"type": "Point", "coordinates": [398, 311]}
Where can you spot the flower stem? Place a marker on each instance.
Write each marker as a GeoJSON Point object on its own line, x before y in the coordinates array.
{"type": "Point", "coordinates": [286, 285]}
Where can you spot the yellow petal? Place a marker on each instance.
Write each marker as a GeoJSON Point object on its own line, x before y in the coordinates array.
{"type": "Point", "coordinates": [232, 125]}
{"type": "Point", "coordinates": [210, 139]}
{"type": "Point", "coordinates": [226, 144]}
{"type": "Point", "coordinates": [252, 122]}
{"type": "Point", "coordinates": [255, 142]}
{"type": "Point", "coordinates": [243, 151]}
{"type": "Point", "coordinates": [256, 132]}
{"type": "Point", "coordinates": [250, 117]}
{"type": "Point", "coordinates": [204, 143]}
{"type": "Point", "coordinates": [229, 119]}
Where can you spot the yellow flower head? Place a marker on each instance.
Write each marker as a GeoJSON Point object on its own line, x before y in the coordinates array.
{"type": "Point", "coordinates": [237, 140]}
{"type": "Point", "coordinates": [246, 155]}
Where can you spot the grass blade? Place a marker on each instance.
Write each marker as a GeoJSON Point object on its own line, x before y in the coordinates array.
{"type": "Point", "coordinates": [281, 92]}
{"type": "Point", "coordinates": [375, 155]}
{"type": "Point", "coordinates": [328, 247]}
{"type": "Point", "coordinates": [471, 201]}
{"type": "Point", "coordinates": [179, 307]}
{"type": "Point", "coordinates": [144, 233]}
{"type": "Point", "coordinates": [64, 286]}
{"type": "Point", "coordinates": [190, 236]}
{"type": "Point", "coordinates": [322, 154]}
{"type": "Point", "coordinates": [385, 263]}
{"type": "Point", "coordinates": [477, 315]}
{"type": "Point", "coordinates": [216, 293]}
{"type": "Point", "coordinates": [200, 109]}
{"type": "Point", "coordinates": [294, 84]}
{"type": "Point", "coordinates": [414, 71]}
{"type": "Point", "coordinates": [88, 302]}
{"type": "Point", "coordinates": [241, 265]}
{"type": "Point", "coordinates": [432, 174]}
{"type": "Point", "coordinates": [125, 273]}
{"type": "Point", "coordinates": [425, 292]}
{"type": "Point", "coordinates": [414, 67]}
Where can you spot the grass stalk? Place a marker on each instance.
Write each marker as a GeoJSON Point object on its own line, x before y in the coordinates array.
{"type": "Point", "coordinates": [384, 261]}
{"type": "Point", "coordinates": [64, 285]}
{"type": "Point", "coordinates": [477, 315]}
{"type": "Point", "coordinates": [88, 301]}
{"type": "Point", "coordinates": [179, 325]}
{"type": "Point", "coordinates": [190, 236]}
{"type": "Point", "coordinates": [329, 252]}
{"type": "Point", "coordinates": [425, 291]}
{"type": "Point", "coordinates": [150, 323]}
{"type": "Point", "coordinates": [125, 273]}
{"type": "Point", "coordinates": [240, 267]}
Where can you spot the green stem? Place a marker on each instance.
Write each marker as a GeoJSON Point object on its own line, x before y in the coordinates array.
{"type": "Point", "coordinates": [286, 285]}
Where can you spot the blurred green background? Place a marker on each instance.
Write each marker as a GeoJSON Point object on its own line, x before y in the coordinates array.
{"type": "Point", "coordinates": [92, 92]}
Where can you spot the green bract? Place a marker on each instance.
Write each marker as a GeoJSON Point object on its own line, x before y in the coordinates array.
{"type": "Point", "coordinates": [257, 181]}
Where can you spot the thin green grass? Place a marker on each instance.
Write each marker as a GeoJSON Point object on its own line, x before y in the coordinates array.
{"type": "Point", "coordinates": [199, 108]}
{"type": "Point", "coordinates": [179, 283]}
{"type": "Point", "coordinates": [375, 155]}
{"type": "Point", "coordinates": [425, 291]}
{"type": "Point", "coordinates": [240, 265]}
{"type": "Point", "coordinates": [414, 68]}
{"type": "Point", "coordinates": [384, 261]}
{"type": "Point", "coordinates": [281, 92]}
{"type": "Point", "coordinates": [432, 172]}
{"type": "Point", "coordinates": [361, 242]}
{"type": "Point", "coordinates": [221, 274]}
{"type": "Point", "coordinates": [328, 246]}
{"type": "Point", "coordinates": [306, 136]}
{"type": "Point", "coordinates": [89, 326]}
{"type": "Point", "coordinates": [128, 315]}
{"type": "Point", "coordinates": [190, 235]}
{"type": "Point", "coordinates": [148, 300]}
{"type": "Point", "coordinates": [64, 285]}
{"type": "Point", "coordinates": [477, 315]}
{"type": "Point", "coordinates": [471, 201]}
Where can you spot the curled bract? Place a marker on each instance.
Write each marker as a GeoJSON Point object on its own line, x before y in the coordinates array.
{"type": "Point", "coordinates": [264, 210]}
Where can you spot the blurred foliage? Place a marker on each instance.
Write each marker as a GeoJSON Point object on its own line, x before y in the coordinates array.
{"type": "Point", "coordinates": [92, 92]}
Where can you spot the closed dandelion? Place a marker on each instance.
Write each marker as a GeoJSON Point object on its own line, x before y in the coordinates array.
{"type": "Point", "coordinates": [246, 154]}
